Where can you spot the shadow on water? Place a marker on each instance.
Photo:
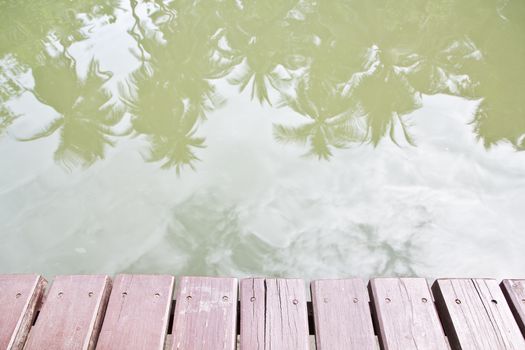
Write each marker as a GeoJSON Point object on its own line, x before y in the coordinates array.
{"type": "Point", "coordinates": [353, 70]}
{"type": "Point", "coordinates": [187, 247]}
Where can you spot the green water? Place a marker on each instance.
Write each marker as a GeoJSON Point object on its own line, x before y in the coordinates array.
{"type": "Point", "coordinates": [288, 138]}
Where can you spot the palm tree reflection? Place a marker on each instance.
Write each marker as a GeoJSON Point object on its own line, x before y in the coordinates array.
{"type": "Point", "coordinates": [6, 118]}
{"type": "Point", "coordinates": [353, 70]}
{"type": "Point", "coordinates": [262, 38]}
{"type": "Point", "coordinates": [383, 98]}
{"type": "Point", "coordinates": [32, 25]}
{"type": "Point", "coordinates": [170, 94]}
{"type": "Point", "coordinates": [331, 121]}
{"type": "Point", "coordinates": [86, 114]}
{"type": "Point", "coordinates": [498, 77]}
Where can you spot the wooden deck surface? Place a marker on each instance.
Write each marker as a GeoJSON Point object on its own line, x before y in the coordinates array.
{"type": "Point", "coordinates": [137, 312]}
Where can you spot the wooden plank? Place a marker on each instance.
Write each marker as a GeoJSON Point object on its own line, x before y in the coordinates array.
{"type": "Point", "coordinates": [138, 312]}
{"type": "Point", "coordinates": [286, 315]}
{"type": "Point", "coordinates": [205, 314]}
{"type": "Point", "coordinates": [476, 316]}
{"type": "Point", "coordinates": [514, 291]}
{"type": "Point", "coordinates": [405, 314]}
{"type": "Point", "coordinates": [342, 315]}
{"type": "Point", "coordinates": [20, 296]}
{"type": "Point", "coordinates": [72, 314]}
{"type": "Point", "coordinates": [279, 307]}
{"type": "Point", "coordinates": [253, 309]}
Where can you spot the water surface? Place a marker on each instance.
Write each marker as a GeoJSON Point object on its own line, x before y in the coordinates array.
{"type": "Point", "coordinates": [287, 138]}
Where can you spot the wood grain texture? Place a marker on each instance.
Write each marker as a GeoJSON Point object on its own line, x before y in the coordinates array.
{"type": "Point", "coordinates": [138, 312]}
{"type": "Point", "coordinates": [273, 314]}
{"type": "Point", "coordinates": [514, 291]}
{"type": "Point", "coordinates": [476, 316]}
{"type": "Point", "coordinates": [205, 314]}
{"type": "Point", "coordinates": [406, 315]}
{"type": "Point", "coordinates": [72, 314]}
{"type": "Point", "coordinates": [253, 309]}
{"type": "Point", "coordinates": [286, 315]}
{"type": "Point", "coordinates": [20, 295]}
{"type": "Point", "coordinates": [342, 315]}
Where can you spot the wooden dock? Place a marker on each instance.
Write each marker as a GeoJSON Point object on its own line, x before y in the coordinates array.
{"type": "Point", "coordinates": [140, 312]}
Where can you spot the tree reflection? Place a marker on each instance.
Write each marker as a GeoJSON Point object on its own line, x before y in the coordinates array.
{"type": "Point", "coordinates": [262, 37]}
{"type": "Point", "coordinates": [32, 25]}
{"type": "Point", "coordinates": [354, 70]}
{"type": "Point", "coordinates": [331, 122]}
{"type": "Point", "coordinates": [342, 84]}
{"type": "Point", "coordinates": [86, 114]}
{"type": "Point", "coordinates": [396, 97]}
{"type": "Point", "coordinates": [171, 92]}
{"type": "Point", "coordinates": [498, 76]}
{"type": "Point", "coordinates": [6, 118]}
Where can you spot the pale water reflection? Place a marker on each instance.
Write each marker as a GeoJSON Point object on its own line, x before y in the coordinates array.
{"type": "Point", "coordinates": [293, 138]}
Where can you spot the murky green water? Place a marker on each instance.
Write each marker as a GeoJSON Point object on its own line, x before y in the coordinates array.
{"type": "Point", "coordinates": [291, 138]}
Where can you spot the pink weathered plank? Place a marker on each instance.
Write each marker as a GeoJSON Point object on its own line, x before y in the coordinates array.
{"type": "Point", "coordinates": [72, 314]}
{"type": "Point", "coordinates": [406, 315]}
{"type": "Point", "coordinates": [342, 315]}
{"type": "Point", "coordinates": [476, 316]}
{"type": "Point", "coordinates": [253, 309]}
{"type": "Point", "coordinates": [138, 312]}
{"type": "Point", "coordinates": [514, 291]}
{"type": "Point", "coordinates": [20, 296]}
{"type": "Point", "coordinates": [279, 307]}
{"type": "Point", "coordinates": [286, 315]}
{"type": "Point", "coordinates": [205, 314]}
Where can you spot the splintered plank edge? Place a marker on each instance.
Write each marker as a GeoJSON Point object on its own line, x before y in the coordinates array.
{"type": "Point", "coordinates": [405, 314]}
{"type": "Point", "coordinates": [137, 314]}
{"type": "Point", "coordinates": [72, 313]}
{"type": "Point", "coordinates": [514, 291]}
{"type": "Point", "coordinates": [20, 296]}
{"type": "Point", "coordinates": [475, 315]}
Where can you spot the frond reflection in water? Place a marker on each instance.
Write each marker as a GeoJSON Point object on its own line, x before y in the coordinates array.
{"type": "Point", "coordinates": [354, 70]}
{"type": "Point", "coordinates": [332, 123]}
{"type": "Point", "coordinates": [6, 118]}
{"type": "Point", "coordinates": [263, 36]}
{"type": "Point", "coordinates": [383, 97]}
{"type": "Point", "coordinates": [86, 114]}
{"type": "Point", "coordinates": [170, 94]}
{"type": "Point", "coordinates": [167, 121]}
{"type": "Point", "coordinates": [499, 78]}
{"type": "Point", "coordinates": [32, 25]}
